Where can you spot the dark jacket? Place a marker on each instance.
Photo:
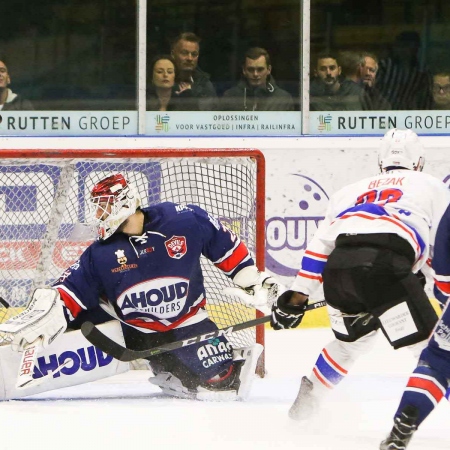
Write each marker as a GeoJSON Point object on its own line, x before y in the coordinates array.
{"type": "Point", "coordinates": [347, 98]}
{"type": "Point", "coordinates": [243, 97]}
{"type": "Point", "coordinates": [373, 100]}
{"type": "Point", "coordinates": [204, 91]}
{"type": "Point", "coordinates": [15, 102]}
{"type": "Point", "coordinates": [405, 86]}
{"type": "Point", "coordinates": [178, 102]}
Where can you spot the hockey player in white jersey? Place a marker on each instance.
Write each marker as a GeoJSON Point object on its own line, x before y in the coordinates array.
{"type": "Point", "coordinates": [146, 266]}
{"type": "Point", "coordinates": [375, 237]}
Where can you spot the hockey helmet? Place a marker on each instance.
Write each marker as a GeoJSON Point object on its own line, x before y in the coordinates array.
{"type": "Point", "coordinates": [112, 201]}
{"type": "Point", "coordinates": [401, 148]}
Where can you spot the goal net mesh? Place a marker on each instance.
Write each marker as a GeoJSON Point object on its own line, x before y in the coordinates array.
{"type": "Point", "coordinates": [43, 206]}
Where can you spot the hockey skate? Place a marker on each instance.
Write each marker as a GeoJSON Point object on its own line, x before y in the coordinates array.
{"type": "Point", "coordinates": [306, 404]}
{"type": "Point", "coordinates": [171, 385]}
{"type": "Point", "coordinates": [402, 431]}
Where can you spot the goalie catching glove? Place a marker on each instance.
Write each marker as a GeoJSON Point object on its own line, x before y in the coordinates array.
{"type": "Point", "coordinates": [287, 315]}
{"type": "Point", "coordinates": [256, 289]}
{"type": "Point", "coordinates": [43, 318]}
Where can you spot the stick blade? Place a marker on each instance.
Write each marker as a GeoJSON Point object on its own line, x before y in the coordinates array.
{"type": "Point", "coordinates": [103, 342]}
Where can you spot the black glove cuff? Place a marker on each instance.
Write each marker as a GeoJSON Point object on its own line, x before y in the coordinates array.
{"type": "Point", "coordinates": [283, 305]}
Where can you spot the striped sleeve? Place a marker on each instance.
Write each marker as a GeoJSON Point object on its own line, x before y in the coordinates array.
{"type": "Point", "coordinates": [309, 276]}
{"type": "Point", "coordinates": [221, 245]}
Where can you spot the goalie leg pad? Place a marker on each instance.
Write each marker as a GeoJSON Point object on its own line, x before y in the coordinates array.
{"type": "Point", "coordinates": [249, 357]}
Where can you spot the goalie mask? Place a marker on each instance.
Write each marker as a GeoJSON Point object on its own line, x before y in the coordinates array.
{"type": "Point", "coordinates": [401, 148]}
{"type": "Point", "coordinates": [112, 201]}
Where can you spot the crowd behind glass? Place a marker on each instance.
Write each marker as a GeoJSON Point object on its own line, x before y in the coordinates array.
{"type": "Point", "coordinates": [202, 57]}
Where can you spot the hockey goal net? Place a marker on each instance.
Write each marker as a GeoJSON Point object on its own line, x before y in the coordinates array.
{"type": "Point", "coordinates": [43, 195]}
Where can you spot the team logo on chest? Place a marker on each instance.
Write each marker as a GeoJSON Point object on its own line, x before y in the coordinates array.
{"type": "Point", "coordinates": [176, 247]}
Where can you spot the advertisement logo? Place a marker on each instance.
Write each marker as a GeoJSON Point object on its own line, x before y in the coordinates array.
{"type": "Point", "coordinates": [121, 258]}
{"type": "Point", "coordinates": [162, 123]}
{"type": "Point", "coordinates": [324, 122]}
{"type": "Point", "coordinates": [300, 213]}
{"type": "Point", "coordinates": [161, 297]}
{"type": "Point", "coordinates": [85, 359]}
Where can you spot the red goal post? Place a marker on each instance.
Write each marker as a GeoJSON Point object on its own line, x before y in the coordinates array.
{"type": "Point", "coordinates": [43, 196]}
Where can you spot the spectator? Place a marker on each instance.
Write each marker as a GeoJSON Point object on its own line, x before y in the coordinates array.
{"type": "Point", "coordinates": [329, 92]}
{"type": "Point", "coordinates": [441, 91]}
{"type": "Point", "coordinates": [351, 63]}
{"type": "Point", "coordinates": [9, 101]}
{"type": "Point", "coordinates": [163, 93]}
{"type": "Point", "coordinates": [257, 90]}
{"type": "Point", "coordinates": [373, 99]}
{"type": "Point", "coordinates": [185, 52]}
{"type": "Point", "coordinates": [401, 79]}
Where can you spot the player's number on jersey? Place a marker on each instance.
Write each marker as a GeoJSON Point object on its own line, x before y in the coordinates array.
{"type": "Point", "coordinates": [380, 197]}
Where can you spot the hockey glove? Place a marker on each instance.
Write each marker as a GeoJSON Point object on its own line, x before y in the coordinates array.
{"type": "Point", "coordinates": [43, 319]}
{"type": "Point", "coordinates": [256, 289]}
{"type": "Point", "coordinates": [285, 315]}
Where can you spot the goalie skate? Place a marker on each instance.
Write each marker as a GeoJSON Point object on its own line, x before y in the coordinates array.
{"type": "Point", "coordinates": [171, 385]}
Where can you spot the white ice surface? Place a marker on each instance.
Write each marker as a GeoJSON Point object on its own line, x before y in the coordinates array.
{"type": "Point", "coordinates": [126, 412]}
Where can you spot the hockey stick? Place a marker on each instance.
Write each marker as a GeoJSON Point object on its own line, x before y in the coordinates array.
{"type": "Point", "coordinates": [4, 302]}
{"type": "Point", "coordinates": [117, 351]}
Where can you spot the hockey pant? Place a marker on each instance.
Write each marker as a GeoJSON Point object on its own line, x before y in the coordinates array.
{"type": "Point", "coordinates": [368, 288]}
{"type": "Point", "coordinates": [373, 287]}
{"type": "Point", "coordinates": [192, 364]}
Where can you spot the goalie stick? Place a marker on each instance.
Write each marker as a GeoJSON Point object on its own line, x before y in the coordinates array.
{"type": "Point", "coordinates": [117, 351]}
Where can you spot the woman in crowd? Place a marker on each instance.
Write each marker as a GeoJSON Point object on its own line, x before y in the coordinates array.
{"type": "Point", "coordinates": [164, 93]}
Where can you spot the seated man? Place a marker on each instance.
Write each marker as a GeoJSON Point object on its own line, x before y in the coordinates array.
{"type": "Point", "coordinates": [185, 51]}
{"type": "Point", "coordinates": [373, 100]}
{"type": "Point", "coordinates": [329, 91]}
{"type": "Point", "coordinates": [257, 90]}
{"type": "Point", "coordinates": [441, 91]}
{"type": "Point", "coordinates": [9, 101]}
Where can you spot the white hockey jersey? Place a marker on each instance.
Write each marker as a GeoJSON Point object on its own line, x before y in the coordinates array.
{"type": "Point", "coordinates": [407, 203]}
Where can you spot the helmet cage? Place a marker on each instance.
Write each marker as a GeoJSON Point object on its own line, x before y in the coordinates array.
{"type": "Point", "coordinates": [112, 201]}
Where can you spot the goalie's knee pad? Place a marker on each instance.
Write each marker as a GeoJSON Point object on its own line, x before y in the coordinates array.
{"type": "Point", "coordinates": [239, 377]}
{"type": "Point", "coordinates": [231, 384]}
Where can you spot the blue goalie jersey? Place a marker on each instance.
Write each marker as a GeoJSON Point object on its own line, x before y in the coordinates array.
{"type": "Point", "coordinates": [154, 281]}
